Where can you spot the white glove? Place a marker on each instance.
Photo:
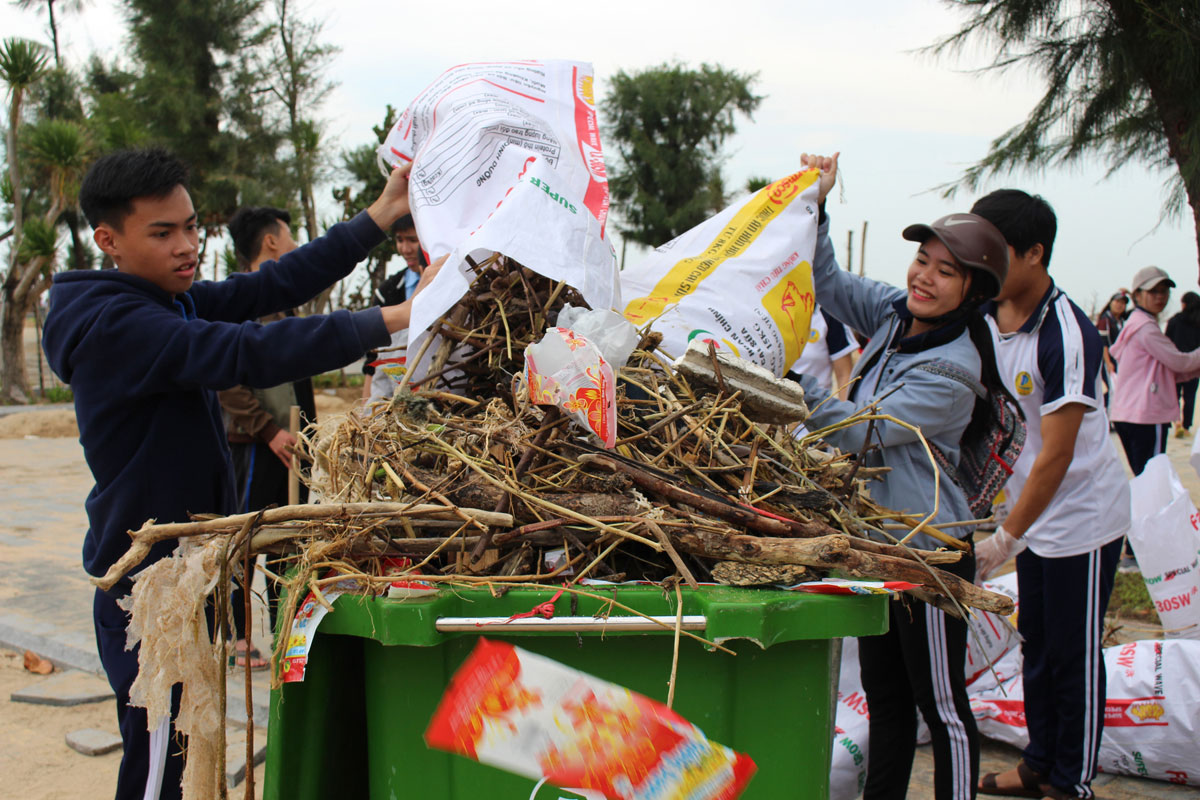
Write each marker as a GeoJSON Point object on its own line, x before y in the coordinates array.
{"type": "Point", "coordinates": [994, 551]}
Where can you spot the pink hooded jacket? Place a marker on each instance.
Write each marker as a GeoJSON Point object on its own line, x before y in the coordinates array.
{"type": "Point", "coordinates": [1149, 366]}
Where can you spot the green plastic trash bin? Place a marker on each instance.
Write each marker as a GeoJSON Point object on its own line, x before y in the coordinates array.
{"type": "Point", "coordinates": [378, 667]}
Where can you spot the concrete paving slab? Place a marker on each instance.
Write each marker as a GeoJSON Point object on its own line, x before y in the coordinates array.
{"type": "Point", "coordinates": [93, 742]}
{"type": "Point", "coordinates": [72, 688]}
{"type": "Point", "coordinates": [235, 699]}
{"type": "Point", "coordinates": [235, 755]}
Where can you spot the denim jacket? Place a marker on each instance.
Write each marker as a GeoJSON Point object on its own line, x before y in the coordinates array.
{"type": "Point", "coordinates": [939, 406]}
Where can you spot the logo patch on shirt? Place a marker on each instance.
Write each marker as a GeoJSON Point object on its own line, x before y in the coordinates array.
{"type": "Point", "coordinates": [814, 335]}
{"type": "Point", "coordinates": [1024, 384]}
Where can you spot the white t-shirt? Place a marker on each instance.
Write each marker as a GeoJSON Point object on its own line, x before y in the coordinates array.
{"type": "Point", "coordinates": [391, 363]}
{"type": "Point", "coordinates": [1055, 359]}
{"type": "Point", "coordinates": [828, 340]}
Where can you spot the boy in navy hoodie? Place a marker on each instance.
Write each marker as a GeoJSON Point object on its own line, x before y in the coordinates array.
{"type": "Point", "coordinates": [144, 349]}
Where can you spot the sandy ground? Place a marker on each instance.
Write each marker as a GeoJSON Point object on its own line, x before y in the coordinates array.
{"type": "Point", "coordinates": [35, 758]}
{"type": "Point", "coordinates": [35, 761]}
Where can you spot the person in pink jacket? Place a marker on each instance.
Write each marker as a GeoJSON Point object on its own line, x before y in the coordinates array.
{"type": "Point", "coordinates": [1145, 402]}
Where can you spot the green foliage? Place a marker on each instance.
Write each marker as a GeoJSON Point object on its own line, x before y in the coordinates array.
{"type": "Point", "coordinates": [230, 264]}
{"type": "Point", "coordinates": [757, 182]}
{"type": "Point", "coordinates": [39, 239]}
{"type": "Point", "coordinates": [365, 181]}
{"type": "Point", "coordinates": [59, 150]}
{"type": "Point", "coordinates": [1119, 78]}
{"type": "Point", "coordinates": [337, 379]}
{"type": "Point", "coordinates": [184, 52]}
{"type": "Point", "coordinates": [667, 125]}
{"type": "Point", "coordinates": [1131, 599]}
{"type": "Point", "coordinates": [22, 63]}
{"type": "Point", "coordinates": [58, 95]}
{"type": "Point", "coordinates": [58, 394]}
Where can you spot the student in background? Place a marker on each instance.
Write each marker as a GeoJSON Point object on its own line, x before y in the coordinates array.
{"type": "Point", "coordinates": [1184, 330]}
{"type": "Point", "coordinates": [257, 420]}
{"type": "Point", "coordinates": [1146, 400]}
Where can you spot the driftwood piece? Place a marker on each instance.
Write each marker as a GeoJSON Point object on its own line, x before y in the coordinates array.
{"type": "Point", "coordinates": [765, 398]}
{"type": "Point", "coordinates": [151, 534]}
{"type": "Point", "coordinates": [835, 552]}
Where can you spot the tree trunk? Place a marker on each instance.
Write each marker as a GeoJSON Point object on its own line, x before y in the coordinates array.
{"type": "Point", "coordinates": [14, 385]}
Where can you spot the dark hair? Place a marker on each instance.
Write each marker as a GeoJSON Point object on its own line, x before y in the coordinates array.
{"type": "Point", "coordinates": [405, 223]}
{"type": "Point", "coordinates": [1024, 219]}
{"type": "Point", "coordinates": [117, 179]}
{"type": "Point", "coordinates": [1191, 307]}
{"type": "Point", "coordinates": [249, 225]}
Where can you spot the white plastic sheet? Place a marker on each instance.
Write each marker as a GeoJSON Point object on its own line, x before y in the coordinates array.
{"type": "Point", "coordinates": [1164, 538]}
{"type": "Point", "coordinates": [507, 158]}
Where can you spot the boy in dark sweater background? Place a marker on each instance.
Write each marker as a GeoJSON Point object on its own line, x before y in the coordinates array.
{"type": "Point", "coordinates": [145, 349]}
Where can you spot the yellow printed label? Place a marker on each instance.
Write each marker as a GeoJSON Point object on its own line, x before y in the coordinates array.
{"type": "Point", "coordinates": [1024, 384]}
{"type": "Point", "coordinates": [741, 232]}
{"type": "Point", "coordinates": [790, 302]}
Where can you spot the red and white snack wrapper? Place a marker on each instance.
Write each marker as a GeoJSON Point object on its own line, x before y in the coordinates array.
{"type": "Point", "coordinates": [535, 717]}
{"type": "Point", "coordinates": [567, 370]}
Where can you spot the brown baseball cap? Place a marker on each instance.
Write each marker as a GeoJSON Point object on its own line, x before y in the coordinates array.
{"type": "Point", "coordinates": [972, 240]}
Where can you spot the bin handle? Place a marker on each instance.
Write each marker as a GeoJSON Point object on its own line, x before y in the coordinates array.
{"type": "Point", "coordinates": [690, 622]}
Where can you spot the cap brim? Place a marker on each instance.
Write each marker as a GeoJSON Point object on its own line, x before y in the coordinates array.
{"type": "Point", "coordinates": [918, 233]}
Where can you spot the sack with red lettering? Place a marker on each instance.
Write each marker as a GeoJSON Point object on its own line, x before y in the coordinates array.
{"type": "Point", "coordinates": [991, 636]}
{"type": "Point", "coordinates": [848, 766]}
{"type": "Point", "coordinates": [1151, 717]}
{"type": "Point", "coordinates": [1164, 539]}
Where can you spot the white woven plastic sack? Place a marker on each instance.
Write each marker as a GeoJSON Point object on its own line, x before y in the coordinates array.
{"type": "Point", "coordinates": [1194, 458]}
{"type": "Point", "coordinates": [1151, 717]}
{"type": "Point", "coordinates": [1164, 539]}
{"type": "Point", "coordinates": [848, 766]}
{"type": "Point", "coordinates": [741, 280]}
{"type": "Point", "coordinates": [507, 159]}
{"type": "Point", "coordinates": [991, 636]}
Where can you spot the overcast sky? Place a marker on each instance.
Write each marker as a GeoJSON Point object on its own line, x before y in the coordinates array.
{"type": "Point", "coordinates": [837, 76]}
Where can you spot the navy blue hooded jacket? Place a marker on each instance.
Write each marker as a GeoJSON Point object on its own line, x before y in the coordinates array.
{"type": "Point", "coordinates": [145, 369]}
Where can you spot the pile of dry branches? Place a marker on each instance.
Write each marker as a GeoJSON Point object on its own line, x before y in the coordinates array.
{"type": "Point", "coordinates": [466, 478]}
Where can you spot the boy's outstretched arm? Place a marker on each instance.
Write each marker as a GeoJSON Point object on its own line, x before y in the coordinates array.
{"type": "Point", "coordinates": [392, 203]}
{"type": "Point", "coordinates": [397, 317]}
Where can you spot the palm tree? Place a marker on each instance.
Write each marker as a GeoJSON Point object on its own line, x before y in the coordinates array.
{"type": "Point", "coordinates": [22, 64]}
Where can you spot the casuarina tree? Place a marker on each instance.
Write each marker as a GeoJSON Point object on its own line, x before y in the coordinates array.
{"type": "Point", "coordinates": [667, 126]}
{"type": "Point", "coordinates": [1119, 83]}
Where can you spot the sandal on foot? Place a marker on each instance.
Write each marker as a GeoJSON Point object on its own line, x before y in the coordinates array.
{"type": "Point", "coordinates": [1032, 784]}
{"type": "Point", "coordinates": [1051, 792]}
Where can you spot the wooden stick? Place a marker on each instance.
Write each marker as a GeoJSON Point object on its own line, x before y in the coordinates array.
{"type": "Point", "coordinates": [150, 534]}
{"type": "Point", "coordinates": [294, 472]}
{"type": "Point", "coordinates": [834, 552]}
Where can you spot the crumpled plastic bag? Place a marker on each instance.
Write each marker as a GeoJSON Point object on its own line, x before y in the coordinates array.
{"type": "Point", "coordinates": [572, 367]}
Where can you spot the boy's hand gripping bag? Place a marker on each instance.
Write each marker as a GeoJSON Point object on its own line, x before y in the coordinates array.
{"type": "Point", "coordinates": [742, 279]}
{"type": "Point", "coordinates": [535, 717]}
{"type": "Point", "coordinates": [1164, 538]}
